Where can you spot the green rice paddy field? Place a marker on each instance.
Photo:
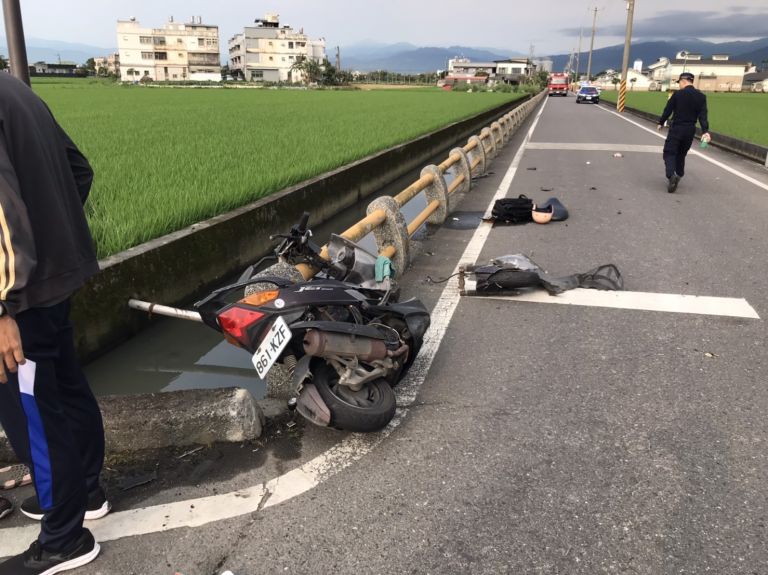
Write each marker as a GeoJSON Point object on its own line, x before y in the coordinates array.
{"type": "Point", "coordinates": [166, 158]}
{"type": "Point", "coordinates": [743, 116]}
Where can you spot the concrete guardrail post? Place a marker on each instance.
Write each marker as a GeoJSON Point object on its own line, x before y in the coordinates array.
{"type": "Point", "coordinates": [498, 135]}
{"type": "Point", "coordinates": [437, 191]}
{"type": "Point", "coordinates": [463, 168]}
{"type": "Point", "coordinates": [508, 128]}
{"type": "Point", "coordinates": [478, 153]}
{"type": "Point", "coordinates": [489, 144]}
{"type": "Point", "coordinates": [392, 232]}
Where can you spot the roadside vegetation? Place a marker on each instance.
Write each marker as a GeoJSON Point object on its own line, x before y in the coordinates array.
{"type": "Point", "coordinates": [167, 158]}
{"type": "Point", "coordinates": [742, 116]}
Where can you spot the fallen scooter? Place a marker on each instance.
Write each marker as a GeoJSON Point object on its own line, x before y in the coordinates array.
{"type": "Point", "coordinates": [341, 336]}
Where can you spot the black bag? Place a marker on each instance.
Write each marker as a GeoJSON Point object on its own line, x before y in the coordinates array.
{"type": "Point", "coordinates": [513, 210]}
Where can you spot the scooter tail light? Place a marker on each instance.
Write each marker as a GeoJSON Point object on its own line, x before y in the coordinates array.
{"type": "Point", "coordinates": [235, 322]}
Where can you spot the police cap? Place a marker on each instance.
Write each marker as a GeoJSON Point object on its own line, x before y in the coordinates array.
{"type": "Point", "coordinates": [686, 76]}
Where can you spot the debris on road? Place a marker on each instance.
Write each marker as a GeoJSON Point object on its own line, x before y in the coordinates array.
{"type": "Point", "coordinates": [531, 168]}
{"type": "Point", "coordinates": [190, 452]}
{"type": "Point", "coordinates": [618, 155]}
{"type": "Point", "coordinates": [132, 481]}
{"type": "Point", "coordinates": [518, 271]}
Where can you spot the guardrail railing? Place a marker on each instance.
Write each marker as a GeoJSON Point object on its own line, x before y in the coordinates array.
{"type": "Point", "coordinates": [384, 217]}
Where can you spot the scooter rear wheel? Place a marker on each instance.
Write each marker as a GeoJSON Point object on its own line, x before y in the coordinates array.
{"type": "Point", "coordinates": [369, 409]}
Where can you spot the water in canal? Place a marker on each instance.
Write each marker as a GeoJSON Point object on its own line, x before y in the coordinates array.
{"type": "Point", "coordinates": [175, 354]}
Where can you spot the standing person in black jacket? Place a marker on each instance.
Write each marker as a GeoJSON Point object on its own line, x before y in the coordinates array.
{"type": "Point", "coordinates": [47, 408]}
{"type": "Point", "coordinates": [686, 106]}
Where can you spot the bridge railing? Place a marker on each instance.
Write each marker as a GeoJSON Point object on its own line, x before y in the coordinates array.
{"type": "Point", "coordinates": [384, 214]}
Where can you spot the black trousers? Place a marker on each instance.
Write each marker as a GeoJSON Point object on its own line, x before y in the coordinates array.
{"type": "Point", "coordinates": [679, 140]}
{"type": "Point", "coordinates": [53, 423]}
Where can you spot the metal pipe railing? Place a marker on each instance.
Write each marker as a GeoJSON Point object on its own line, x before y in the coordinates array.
{"type": "Point", "coordinates": [447, 164]}
{"type": "Point", "coordinates": [379, 217]}
{"type": "Point", "coordinates": [164, 310]}
{"type": "Point", "coordinates": [423, 216]}
{"type": "Point", "coordinates": [414, 189]}
{"type": "Point", "coordinates": [456, 183]}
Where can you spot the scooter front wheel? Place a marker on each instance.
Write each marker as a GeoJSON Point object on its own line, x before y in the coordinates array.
{"type": "Point", "coordinates": [369, 409]}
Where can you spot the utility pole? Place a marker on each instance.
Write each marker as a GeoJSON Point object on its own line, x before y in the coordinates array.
{"type": "Point", "coordinates": [530, 60]}
{"type": "Point", "coordinates": [14, 32]}
{"type": "Point", "coordinates": [625, 62]}
{"type": "Point", "coordinates": [578, 54]}
{"type": "Point", "coordinates": [592, 45]}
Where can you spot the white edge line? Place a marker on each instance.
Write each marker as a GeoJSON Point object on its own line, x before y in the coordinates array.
{"type": "Point", "coordinates": [201, 511]}
{"type": "Point", "coordinates": [717, 163]}
{"type": "Point", "coordinates": [672, 303]}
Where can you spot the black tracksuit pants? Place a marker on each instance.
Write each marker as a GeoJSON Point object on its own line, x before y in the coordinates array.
{"type": "Point", "coordinates": [53, 423]}
{"type": "Point", "coordinates": [679, 140]}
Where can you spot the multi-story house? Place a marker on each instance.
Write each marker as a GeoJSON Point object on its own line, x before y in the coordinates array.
{"type": "Point", "coordinates": [107, 64]}
{"type": "Point", "coordinates": [177, 51]}
{"type": "Point", "coordinates": [268, 52]}
{"type": "Point", "coordinates": [716, 74]}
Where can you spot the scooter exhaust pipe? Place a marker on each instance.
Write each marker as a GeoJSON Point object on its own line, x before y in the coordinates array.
{"type": "Point", "coordinates": [324, 344]}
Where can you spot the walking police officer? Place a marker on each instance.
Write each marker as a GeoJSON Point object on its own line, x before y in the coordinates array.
{"type": "Point", "coordinates": [686, 106]}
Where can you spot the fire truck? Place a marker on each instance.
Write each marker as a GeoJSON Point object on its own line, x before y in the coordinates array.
{"type": "Point", "coordinates": [558, 84]}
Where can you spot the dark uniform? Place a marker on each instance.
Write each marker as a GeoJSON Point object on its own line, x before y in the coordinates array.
{"type": "Point", "coordinates": [686, 106]}
{"type": "Point", "coordinates": [47, 409]}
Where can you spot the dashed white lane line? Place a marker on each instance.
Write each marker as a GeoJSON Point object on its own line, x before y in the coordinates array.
{"type": "Point", "coordinates": [201, 511]}
{"type": "Point", "coordinates": [693, 152]}
{"type": "Point", "coordinates": [673, 303]}
{"type": "Point", "coordinates": [587, 147]}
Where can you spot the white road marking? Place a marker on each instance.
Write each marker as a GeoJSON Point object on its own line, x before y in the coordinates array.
{"type": "Point", "coordinates": [595, 147]}
{"type": "Point", "coordinates": [693, 152]}
{"type": "Point", "coordinates": [197, 512]}
{"type": "Point", "coordinates": [673, 303]}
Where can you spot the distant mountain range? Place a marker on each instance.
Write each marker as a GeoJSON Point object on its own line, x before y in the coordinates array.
{"type": "Point", "coordinates": [407, 58]}
{"type": "Point", "coordinates": [649, 52]}
{"type": "Point", "coordinates": [53, 51]}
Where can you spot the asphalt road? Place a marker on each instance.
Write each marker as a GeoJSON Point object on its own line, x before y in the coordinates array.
{"type": "Point", "coordinates": [545, 438]}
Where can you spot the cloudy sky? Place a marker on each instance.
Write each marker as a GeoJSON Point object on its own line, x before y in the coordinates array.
{"type": "Point", "coordinates": [552, 26]}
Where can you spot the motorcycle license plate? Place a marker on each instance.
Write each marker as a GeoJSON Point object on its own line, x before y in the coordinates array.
{"type": "Point", "coordinates": [271, 347]}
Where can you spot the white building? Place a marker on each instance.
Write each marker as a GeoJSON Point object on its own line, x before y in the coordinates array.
{"type": "Point", "coordinates": [188, 51]}
{"type": "Point", "coordinates": [716, 74]}
{"type": "Point", "coordinates": [267, 52]}
{"type": "Point", "coordinates": [635, 80]}
{"type": "Point", "coordinates": [543, 64]}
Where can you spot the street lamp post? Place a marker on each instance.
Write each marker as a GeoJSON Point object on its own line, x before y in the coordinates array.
{"type": "Point", "coordinates": [625, 63]}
